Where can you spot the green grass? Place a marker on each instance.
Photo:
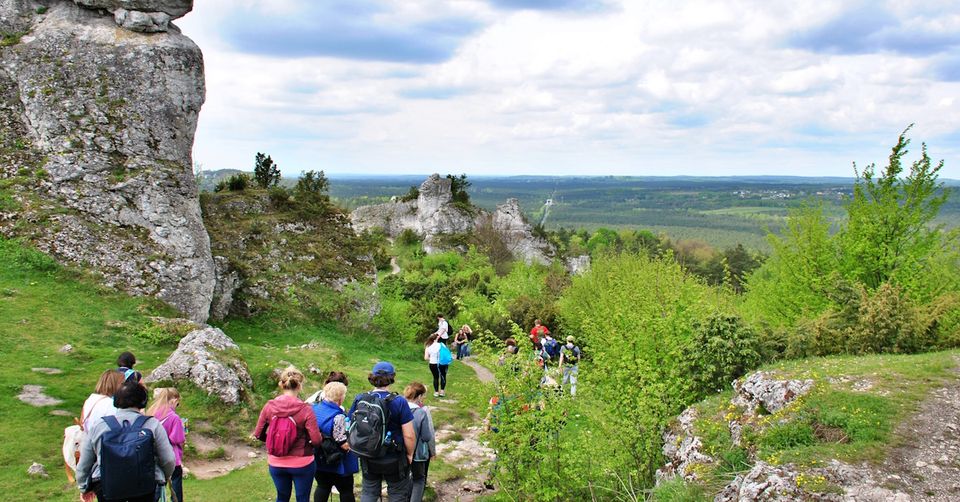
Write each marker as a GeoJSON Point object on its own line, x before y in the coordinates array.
{"type": "Point", "coordinates": [43, 307]}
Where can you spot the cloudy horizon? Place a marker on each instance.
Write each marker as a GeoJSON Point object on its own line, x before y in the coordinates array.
{"type": "Point", "coordinates": [567, 87]}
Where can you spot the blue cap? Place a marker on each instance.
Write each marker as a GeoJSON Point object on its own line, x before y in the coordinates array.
{"type": "Point", "coordinates": [383, 368]}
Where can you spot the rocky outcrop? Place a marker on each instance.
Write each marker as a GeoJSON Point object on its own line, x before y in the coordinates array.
{"type": "Point", "coordinates": [432, 215]}
{"type": "Point", "coordinates": [210, 360]}
{"type": "Point", "coordinates": [578, 265]}
{"type": "Point", "coordinates": [266, 249]}
{"type": "Point", "coordinates": [147, 16]}
{"type": "Point", "coordinates": [765, 483]}
{"type": "Point", "coordinates": [517, 233]}
{"type": "Point", "coordinates": [435, 217]}
{"type": "Point", "coordinates": [96, 133]}
{"type": "Point", "coordinates": [758, 392]}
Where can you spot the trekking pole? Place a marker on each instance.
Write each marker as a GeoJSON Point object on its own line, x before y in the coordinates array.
{"type": "Point", "coordinates": [173, 494]}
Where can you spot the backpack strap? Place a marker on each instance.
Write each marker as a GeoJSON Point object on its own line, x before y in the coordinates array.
{"type": "Point", "coordinates": [112, 423]}
{"type": "Point", "coordinates": [84, 415]}
{"type": "Point", "coordinates": [140, 421]}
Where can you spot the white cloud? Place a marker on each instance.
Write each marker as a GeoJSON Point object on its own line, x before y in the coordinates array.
{"type": "Point", "coordinates": [716, 88]}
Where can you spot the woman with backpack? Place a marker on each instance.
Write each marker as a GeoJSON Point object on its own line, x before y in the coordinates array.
{"type": "Point", "coordinates": [100, 403]}
{"type": "Point", "coordinates": [336, 464]}
{"type": "Point", "coordinates": [124, 457]}
{"type": "Point", "coordinates": [438, 356]}
{"type": "Point", "coordinates": [165, 403]}
{"type": "Point", "coordinates": [426, 443]}
{"type": "Point", "coordinates": [289, 428]}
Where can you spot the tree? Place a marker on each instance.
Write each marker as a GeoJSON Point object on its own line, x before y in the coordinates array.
{"type": "Point", "coordinates": [889, 235]}
{"type": "Point", "coordinates": [311, 193]}
{"type": "Point", "coordinates": [265, 172]}
{"type": "Point", "coordinates": [458, 189]}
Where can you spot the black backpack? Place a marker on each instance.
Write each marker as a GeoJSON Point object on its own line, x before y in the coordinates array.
{"type": "Point", "coordinates": [127, 462]}
{"type": "Point", "coordinates": [368, 426]}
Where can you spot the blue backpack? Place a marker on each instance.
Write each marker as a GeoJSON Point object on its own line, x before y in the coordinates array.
{"type": "Point", "coordinates": [444, 357]}
{"type": "Point", "coordinates": [127, 462]}
{"type": "Point", "coordinates": [552, 348]}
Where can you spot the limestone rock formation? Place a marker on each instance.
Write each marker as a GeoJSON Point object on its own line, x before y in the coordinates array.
{"type": "Point", "coordinates": [435, 217]}
{"type": "Point", "coordinates": [211, 360]}
{"type": "Point", "coordinates": [432, 215]}
{"type": "Point", "coordinates": [147, 16]}
{"type": "Point", "coordinates": [517, 233]}
{"type": "Point", "coordinates": [765, 483]}
{"type": "Point", "coordinates": [578, 265]}
{"type": "Point", "coordinates": [764, 389]}
{"type": "Point", "coordinates": [96, 133]}
{"type": "Point", "coordinates": [683, 449]}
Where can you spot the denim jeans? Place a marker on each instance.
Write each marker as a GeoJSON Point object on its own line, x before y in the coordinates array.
{"type": "Point", "coordinates": [176, 484]}
{"type": "Point", "coordinates": [570, 376]}
{"type": "Point", "coordinates": [300, 477]}
{"type": "Point", "coordinates": [463, 350]}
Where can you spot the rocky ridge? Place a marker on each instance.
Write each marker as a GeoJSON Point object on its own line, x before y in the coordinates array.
{"type": "Point", "coordinates": [434, 217]}
{"type": "Point", "coordinates": [96, 133]}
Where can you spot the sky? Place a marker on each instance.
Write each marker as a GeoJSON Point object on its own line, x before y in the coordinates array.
{"type": "Point", "coordinates": [576, 87]}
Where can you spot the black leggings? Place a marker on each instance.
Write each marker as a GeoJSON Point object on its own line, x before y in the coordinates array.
{"type": "Point", "coordinates": [439, 376]}
{"type": "Point", "coordinates": [327, 480]}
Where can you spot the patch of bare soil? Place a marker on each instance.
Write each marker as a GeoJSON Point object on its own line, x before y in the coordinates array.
{"type": "Point", "coordinates": [218, 457]}
{"type": "Point", "coordinates": [927, 465]}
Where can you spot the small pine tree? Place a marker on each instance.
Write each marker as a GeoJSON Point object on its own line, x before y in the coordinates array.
{"type": "Point", "coordinates": [265, 172]}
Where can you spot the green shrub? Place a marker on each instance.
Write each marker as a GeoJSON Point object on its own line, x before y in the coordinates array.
{"type": "Point", "coordinates": [408, 238]}
{"type": "Point", "coordinates": [781, 437]}
{"type": "Point", "coordinates": [14, 251]}
{"type": "Point", "coordinates": [238, 182]}
{"type": "Point", "coordinates": [280, 198]}
{"type": "Point", "coordinates": [721, 350]}
{"type": "Point", "coordinates": [412, 194]}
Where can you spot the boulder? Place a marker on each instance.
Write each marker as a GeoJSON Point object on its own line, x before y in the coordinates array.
{"type": "Point", "coordinates": [210, 360]}
{"type": "Point", "coordinates": [96, 132]}
{"type": "Point", "coordinates": [144, 22]}
{"type": "Point", "coordinates": [683, 449]}
{"type": "Point", "coordinates": [764, 389]}
{"type": "Point", "coordinates": [765, 483]}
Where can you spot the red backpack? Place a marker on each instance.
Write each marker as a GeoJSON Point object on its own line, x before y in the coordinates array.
{"type": "Point", "coordinates": [281, 434]}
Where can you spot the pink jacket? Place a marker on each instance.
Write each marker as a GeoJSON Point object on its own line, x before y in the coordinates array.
{"type": "Point", "coordinates": [173, 424]}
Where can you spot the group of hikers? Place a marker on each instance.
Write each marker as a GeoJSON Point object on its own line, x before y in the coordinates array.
{"type": "Point", "coordinates": [121, 449]}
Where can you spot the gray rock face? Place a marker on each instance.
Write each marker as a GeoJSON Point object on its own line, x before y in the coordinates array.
{"type": "Point", "coordinates": [578, 265]}
{"type": "Point", "coordinates": [766, 483]}
{"type": "Point", "coordinates": [764, 389]}
{"type": "Point", "coordinates": [509, 221]}
{"type": "Point", "coordinates": [431, 216]}
{"type": "Point", "coordinates": [227, 283]}
{"type": "Point", "coordinates": [145, 22]}
{"type": "Point", "coordinates": [434, 216]}
{"type": "Point", "coordinates": [100, 123]}
{"type": "Point", "coordinates": [173, 8]}
{"type": "Point", "coordinates": [211, 360]}
{"type": "Point", "coordinates": [683, 449]}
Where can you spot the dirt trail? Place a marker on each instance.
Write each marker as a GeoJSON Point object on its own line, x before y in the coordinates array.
{"type": "Point", "coordinates": [927, 465]}
{"type": "Point", "coordinates": [235, 456]}
{"type": "Point", "coordinates": [483, 374]}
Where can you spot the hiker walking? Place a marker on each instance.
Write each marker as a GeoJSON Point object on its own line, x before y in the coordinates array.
{"type": "Point", "coordinates": [125, 364]}
{"type": "Point", "coordinates": [569, 361]}
{"type": "Point", "coordinates": [333, 376]}
{"type": "Point", "coordinates": [443, 328]}
{"type": "Point", "coordinates": [100, 403]}
{"type": "Point", "coordinates": [537, 333]}
{"type": "Point", "coordinates": [336, 464]}
{"type": "Point", "coordinates": [124, 457]}
{"type": "Point", "coordinates": [426, 448]}
{"type": "Point", "coordinates": [381, 434]}
{"type": "Point", "coordinates": [551, 348]}
{"type": "Point", "coordinates": [289, 428]}
{"type": "Point", "coordinates": [166, 400]}
{"type": "Point", "coordinates": [438, 357]}
{"type": "Point", "coordinates": [462, 341]}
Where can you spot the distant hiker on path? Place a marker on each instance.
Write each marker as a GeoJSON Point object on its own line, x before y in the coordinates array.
{"type": "Point", "coordinates": [333, 376]}
{"type": "Point", "coordinates": [381, 433]}
{"type": "Point", "coordinates": [166, 400]}
{"type": "Point", "coordinates": [289, 428]}
{"type": "Point", "coordinates": [462, 341]}
{"type": "Point", "coordinates": [569, 361]}
{"type": "Point", "coordinates": [426, 448]}
{"type": "Point", "coordinates": [551, 348]}
{"type": "Point", "coordinates": [438, 357]}
{"type": "Point", "coordinates": [125, 457]}
{"type": "Point", "coordinates": [125, 364]}
{"type": "Point", "coordinates": [537, 333]}
{"type": "Point", "coordinates": [333, 427]}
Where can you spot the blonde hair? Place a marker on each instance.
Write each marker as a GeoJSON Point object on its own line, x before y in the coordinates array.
{"type": "Point", "coordinates": [163, 398]}
{"type": "Point", "coordinates": [335, 391]}
{"type": "Point", "coordinates": [291, 379]}
{"type": "Point", "coordinates": [466, 329]}
{"type": "Point", "coordinates": [109, 383]}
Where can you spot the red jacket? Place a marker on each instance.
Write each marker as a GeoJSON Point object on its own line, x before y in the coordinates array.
{"type": "Point", "coordinates": [308, 435]}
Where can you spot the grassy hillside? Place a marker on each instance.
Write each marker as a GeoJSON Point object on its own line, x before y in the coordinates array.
{"type": "Point", "coordinates": [43, 307]}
